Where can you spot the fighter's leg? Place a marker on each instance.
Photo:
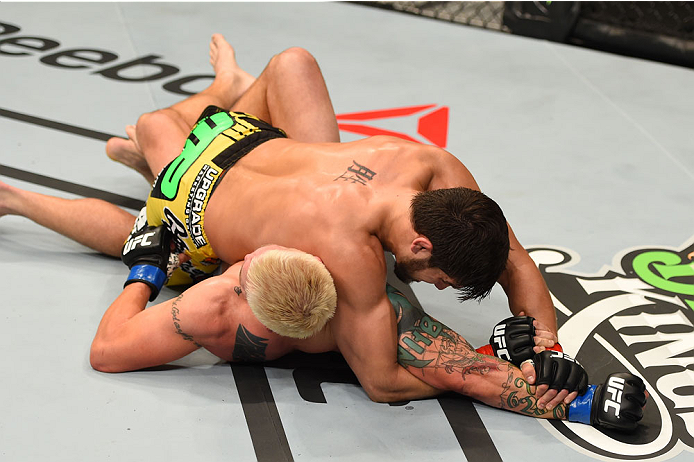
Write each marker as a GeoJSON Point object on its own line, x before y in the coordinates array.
{"type": "Point", "coordinates": [128, 152]}
{"type": "Point", "coordinates": [291, 94]}
{"type": "Point", "coordinates": [159, 136]}
{"type": "Point", "coordinates": [97, 224]}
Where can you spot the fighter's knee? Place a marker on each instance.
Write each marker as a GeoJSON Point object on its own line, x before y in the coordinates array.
{"type": "Point", "coordinates": [294, 58]}
{"type": "Point", "coordinates": [152, 120]}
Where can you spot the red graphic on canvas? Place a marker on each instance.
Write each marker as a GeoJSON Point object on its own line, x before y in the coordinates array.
{"type": "Point", "coordinates": [431, 125]}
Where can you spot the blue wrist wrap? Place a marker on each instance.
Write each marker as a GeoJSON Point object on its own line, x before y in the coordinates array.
{"type": "Point", "coordinates": [151, 275]}
{"type": "Point", "coordinates": [579, 409]}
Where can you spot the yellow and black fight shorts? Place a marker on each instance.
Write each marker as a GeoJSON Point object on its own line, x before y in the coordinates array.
{"type": "Point", "coordinates": [183, 188]}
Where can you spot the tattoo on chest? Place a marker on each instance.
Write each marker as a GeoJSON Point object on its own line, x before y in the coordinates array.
{"type": "Point", "coordinates": [248, 347]}
{"type": "Point", "coordinates": [357, 173]}
{"type": "Point", "coordinates": [175, 315]}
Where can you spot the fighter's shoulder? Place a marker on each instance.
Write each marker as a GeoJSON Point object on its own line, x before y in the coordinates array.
{"type": "Point", "coordinates": [359, 268]}
{"type": "Point", "coordinates": [220, 292]}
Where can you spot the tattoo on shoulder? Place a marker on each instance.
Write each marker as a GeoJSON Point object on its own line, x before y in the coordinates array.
{"type": "Point", "coordinates": [248, 347]}
{"type": "Point", "coordinates": [175, 315]}
{"type": "Point", "coordinates": [238, 290]}
{"type": "Point", "coordinates": [357, 173]}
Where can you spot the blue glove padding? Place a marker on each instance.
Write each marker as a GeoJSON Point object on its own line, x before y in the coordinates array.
{"type": "Point", "coordinates": [151, 275]}
{"type": "Point", "coordinates": [579, 409]}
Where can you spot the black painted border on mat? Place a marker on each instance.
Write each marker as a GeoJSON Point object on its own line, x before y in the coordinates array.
{"type": "Point", "coordinates": [73, 188]}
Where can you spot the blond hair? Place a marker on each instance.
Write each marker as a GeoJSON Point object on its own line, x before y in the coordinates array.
{"type": "Point", "coordinates": [290, 292]}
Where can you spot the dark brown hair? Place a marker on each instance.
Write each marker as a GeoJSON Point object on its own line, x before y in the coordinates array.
{"type": "Point", "coordinates": [469, 235]}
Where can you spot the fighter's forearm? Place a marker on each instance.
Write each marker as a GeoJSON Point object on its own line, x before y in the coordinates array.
{"type": "Point", "coordinates": [527, 292]}
{"type": "Point", "coordinates": [130, 302]}
{"type": "Point", "coordinates": [437, 355]}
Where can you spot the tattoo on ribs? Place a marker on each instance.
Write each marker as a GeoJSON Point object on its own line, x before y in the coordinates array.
{"type": "Point", "coordinates": [175, 312]}
{"type": "Point", "coordinates": [248, 347]}
{"type": "Point", "coordinates": [357, 173]}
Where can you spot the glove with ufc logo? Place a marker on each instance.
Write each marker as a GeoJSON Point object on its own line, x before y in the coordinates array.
{"type": "Point", "coordinates": [615, 405]}
{"type": "Point", "coordinates": [513, 340]}
{"type": "Point", "coordinates": [146, 253]}
{"type": "Point", "coordinates": [560, 371]}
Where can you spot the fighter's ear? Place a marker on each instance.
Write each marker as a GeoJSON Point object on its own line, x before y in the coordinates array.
{"type": "Point", "coordinates": [421, 244]}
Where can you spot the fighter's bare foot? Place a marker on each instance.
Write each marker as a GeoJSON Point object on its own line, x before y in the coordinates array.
{"type": "Point", "coordinates": [226, 69]}
{"type": "Point", "coordinates": [127, 152]}
{"type": "Point", "coordinates": [6, 195]}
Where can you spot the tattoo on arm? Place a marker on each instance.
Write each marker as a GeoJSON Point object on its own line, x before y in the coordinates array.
{"type": "Point", "coordinates": [428, 344]}
{"type": "Point", "coordinates": [519, 396]}
{"type": "Point", "coordinates": [357, 174]}
{"type": "Point", "coordinates": [175, 313]}
{"type": "Point", "coordinates": [432, 347]}
{"type": "Point", "coordinates": [248, 347]}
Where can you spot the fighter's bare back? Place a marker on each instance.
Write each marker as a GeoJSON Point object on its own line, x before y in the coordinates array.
{"type": "Point", "coordinates": [320, 198]}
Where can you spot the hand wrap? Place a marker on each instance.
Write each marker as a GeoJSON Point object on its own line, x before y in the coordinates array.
{"type": "Point", "coordinates": [560, 371]}
{"type": "Point", "coordinates": [146, 253]}
{"type": "Point", "coordinates": [615, 405]}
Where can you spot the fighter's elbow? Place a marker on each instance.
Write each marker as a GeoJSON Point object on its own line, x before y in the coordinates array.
{"type": "Point", "coordinates": [99, 360]}
{"type": "Point", "coordinates": [379, 394]}
{"type": "Point", "coordinates": [384, 390]}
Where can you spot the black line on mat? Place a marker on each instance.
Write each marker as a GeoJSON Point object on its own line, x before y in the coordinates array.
{"type": "Point", "coordinates": [263, 419]}
{"type": "Point", "coordinates": [55, 125]}
{"type": "Point", "coordinates": [73, 188]}
{"type": "Point", "coordinates": [469, 429]}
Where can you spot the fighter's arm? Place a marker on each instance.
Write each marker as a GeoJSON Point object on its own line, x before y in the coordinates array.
{"type": "Point", "coordinates": [365, 331]}
{"type": "Point", "coordinates": [130, 337]}
{"type": "Point", "coordinates": [433, 352]}
{"type": "Point", "coordinates": [527, 292]}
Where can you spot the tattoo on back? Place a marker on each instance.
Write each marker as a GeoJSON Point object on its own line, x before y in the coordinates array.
{"type": "Point", "coordinates": [248, 347]}
{"type": "Point", "coordinates": [175, 313]}
{"type": "Point", "coordinates": [357, 173]}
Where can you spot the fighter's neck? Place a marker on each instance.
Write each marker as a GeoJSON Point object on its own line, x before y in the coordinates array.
{"type": "Point", "coordinates": [394, 229]}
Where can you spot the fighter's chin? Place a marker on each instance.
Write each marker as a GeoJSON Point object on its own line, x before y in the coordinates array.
{"type": "Point", "coordinates": [403, 275]}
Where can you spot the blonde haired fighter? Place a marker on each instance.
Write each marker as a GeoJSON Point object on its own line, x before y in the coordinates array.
{"type": "Point", "coordinates": [289, 291]}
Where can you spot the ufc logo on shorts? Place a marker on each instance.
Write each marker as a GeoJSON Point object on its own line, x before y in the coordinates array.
{"type": "Point", "coordinates": [500, 341]}
{"type": "Point", "coordinates": [614, 390]}
{"type": "Point", "coordinates": [142, 240]}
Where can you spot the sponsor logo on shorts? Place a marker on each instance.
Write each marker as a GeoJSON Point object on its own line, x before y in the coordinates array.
{"type": "Point", "coordinates": [199, 192]}
{"type": "Point", "coordinates": [633, 316]}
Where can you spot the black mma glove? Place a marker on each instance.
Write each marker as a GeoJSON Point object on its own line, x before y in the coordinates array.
{"type": "Point", "coordinates": [512, 340]}
{"type": "Point", "coordinates": [146, 253]}
{"type": "Point", "coordinates": [615, 405]}
{"type": "Point", "coordinates": [560, 371]}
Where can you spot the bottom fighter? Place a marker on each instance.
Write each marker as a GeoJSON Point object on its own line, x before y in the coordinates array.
{"type": "Point", "coordinates": [232, 315]}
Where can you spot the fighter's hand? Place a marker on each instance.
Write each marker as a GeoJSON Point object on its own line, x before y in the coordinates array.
{"type": "Point", "coordinates": [617, 404]}
{"type": "Point", "coordinates": [559, 378]}
{"type": "Point", "coordinates": [146, 252]}
{"type": "Point", "coordinates": [544, 338]}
